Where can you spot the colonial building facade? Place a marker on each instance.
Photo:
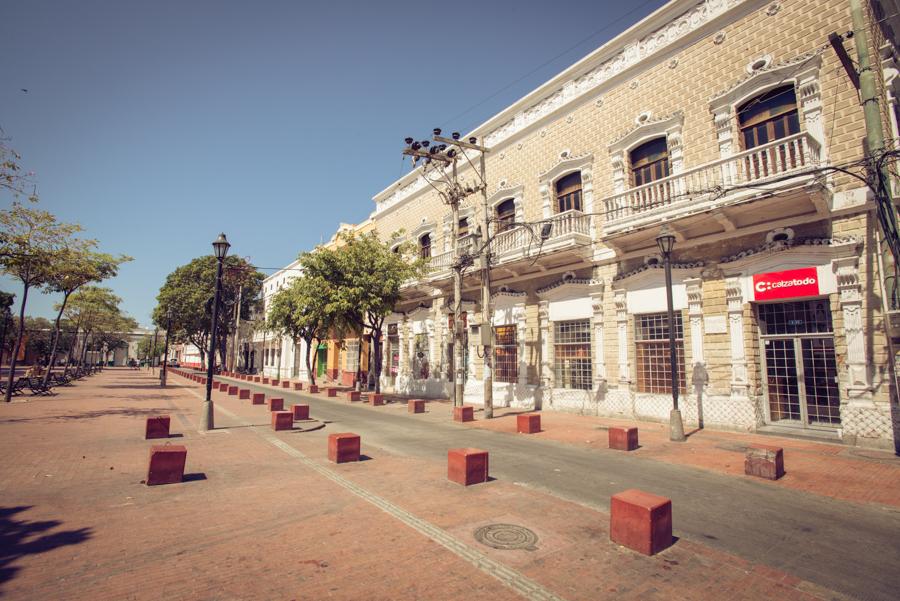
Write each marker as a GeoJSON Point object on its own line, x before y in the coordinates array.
{"type": "Point", "coordinates": [726, 121]}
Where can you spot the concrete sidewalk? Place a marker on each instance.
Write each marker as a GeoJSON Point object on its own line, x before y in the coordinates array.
{"type": "Point", "coordinates": [265, 516]}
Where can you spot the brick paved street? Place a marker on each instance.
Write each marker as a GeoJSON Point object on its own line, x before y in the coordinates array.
{"type": "Point", "coordinates": [263, 515]}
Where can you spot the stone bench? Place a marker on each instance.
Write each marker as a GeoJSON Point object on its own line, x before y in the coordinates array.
{"type": "Point", "coordinates": [528, 423]}
{"type": "Point", "coordinates": [166, 464]}
{"type": "Point", "coordinates": [467, 466]}
{"type": "Point", "coordinates": [764, 461]}
{"type": "Point", "coordinates": [343, 447]}
{"type": "Point", "coordinates": [623, 439]}
{"type": "Point", "coordinates": [641, 521]}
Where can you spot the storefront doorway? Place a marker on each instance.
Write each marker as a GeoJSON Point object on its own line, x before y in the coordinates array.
{"type": "Point", "coordinates": [800, 370]}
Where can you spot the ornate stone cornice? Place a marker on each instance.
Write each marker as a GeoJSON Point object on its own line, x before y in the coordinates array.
{"type": "Point", "coordinates": [660, 124]}
{"type": "Point", "coordinates": [573, 281]}
{"type": "Point", "coordinates": [781, 245]}
{"type": "Point", "coordinates": [646, 267]}
{"type": "Point", "coordinates": [766, 72]}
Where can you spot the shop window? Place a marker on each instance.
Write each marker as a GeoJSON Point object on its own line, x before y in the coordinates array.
{"type": "Point", "coordinates": [568, 193]}
{"type": "Point", "coordinates": [649, 162]}
{"type": "Point", "coordinates": [653, 356]}
{"type": "Point", "coordinates": [425, 246]}
{"type": "Point", "coordinates": [506, 360]}
{"type": "Point", "coordinates": [572, 354]}
{"type": "Point", "coordinates": [769, 117]}
{"type": "Point", "coordinates": [506, 214]}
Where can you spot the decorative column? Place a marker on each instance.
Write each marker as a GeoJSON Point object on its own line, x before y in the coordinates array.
{"type": "Point", "coordinates": [694, 288]}
{"type": "Point", "coordinates": [522, 363]}
{"type": "Point", "coordinates": [847, 271]}
{"type": "Point", "coordinates": [600, 360]}
{"type": "Point", "coordinates": [725, 138]}
{"type": "Point", "coordinates": [622, 328]}
{"type": "Point", "coordinates": [734, 297]}
{"type": "Point", "coordinates": [546, 360]}
{"type": "Point", "coordinates": [545, 201]}
{"type": "Point", "coordinates": [810, 97]}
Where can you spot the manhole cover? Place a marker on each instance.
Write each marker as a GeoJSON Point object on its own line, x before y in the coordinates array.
{"type": "Point", "coordinates": [507, 536]}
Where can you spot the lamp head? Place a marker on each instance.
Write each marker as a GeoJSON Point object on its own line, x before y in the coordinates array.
{"type": "Point", "coordinates": [437, 131]}
{"type": "Point", "coordinates": [473, 140]}
{"type": "Point", "coordinates": [221, 246]}
{"type": "Point", "coordinates": [455, 135]}
{"type": "Point", "coordinates": [665, 240]}
{"type": "Point", "coordinates": [425, 143]}
{"type": "Point", "coordinates": [408, 141]}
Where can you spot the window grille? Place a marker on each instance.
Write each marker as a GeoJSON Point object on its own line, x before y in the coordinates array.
{"type": "Point", "coordinates": [653, 356]}
{"type": "Point", "coordinates": [352, 355]}
{"type": "Point", "coordinates": [506, 361]}
{"type": "Point", "coordinates": [420, 363]}
{"type": "Point", "coordinates": [572, 361]}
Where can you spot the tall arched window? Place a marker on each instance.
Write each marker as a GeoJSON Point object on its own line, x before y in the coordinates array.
{"type": "Point", "coordinates": [425, 246]}
{"type": "Point", "coordinates": [650, 161]}
{"type": "Point", "coordinates": [568, 193]}
{"type": "Point", "coordinates": [768, 117]}
{"type": "Point", "coordinates": [506, 214]}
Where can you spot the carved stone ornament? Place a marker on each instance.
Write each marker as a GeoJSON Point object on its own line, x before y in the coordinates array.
{"type": "Point", "coordinates": [599, 102]}
{"type": "Point", "coordinates": [673, 63]}
{"type": "Point", "coordinates": [634, 84]}
{"type": "Point", "coordinates": [773, 9]}
{"type": "Point", "coordinates": [719, 38]}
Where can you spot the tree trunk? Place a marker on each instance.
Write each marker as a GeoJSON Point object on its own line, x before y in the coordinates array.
{"type": "Point", "coordinates": [359, 361]}
{"type": "Point", "coordinates": [309, 368]}
{"type": "Point", "coordinates": [15, 351]}
{"type": "Point", "coordinates": [376, 348]}
{"type": "Point", "coordinates": [55, 338]}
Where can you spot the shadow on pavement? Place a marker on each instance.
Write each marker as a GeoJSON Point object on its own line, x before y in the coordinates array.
{"type": "Point", "coordinates": [19, 538]}
{"type": "Point", "coordinates": [117, 411]}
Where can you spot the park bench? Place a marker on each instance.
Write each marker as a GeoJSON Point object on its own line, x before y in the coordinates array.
{"type": "Point", "coordinates": [38, 387]}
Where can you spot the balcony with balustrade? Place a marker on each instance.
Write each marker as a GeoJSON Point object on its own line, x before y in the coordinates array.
{"type": "Point", "coordinates": [569, 240]}
{"type": "Point", "coordinates": [778, 181]}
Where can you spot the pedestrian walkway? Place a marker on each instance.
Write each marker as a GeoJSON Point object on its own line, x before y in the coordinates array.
{"type": "Point", "coordinates": [264, 515]}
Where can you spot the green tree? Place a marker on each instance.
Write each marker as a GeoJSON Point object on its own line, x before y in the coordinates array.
{"type": "Point", "coordinates": [365, 277]}
{"type": "Point", "coordinates": [76, 265]}
{"type": "Point", "coordinates": [300, 312]}
{"type": "Point", "coordinates": [31, 239]}
{"type": "Point", "coordinates": [146, 348]}
{"type": "Point", "coordinates": [187, 295]}
{"type": "Point", "coordinates": [6, 333]}
{"type": "Point", "coordinates": [94, 309]}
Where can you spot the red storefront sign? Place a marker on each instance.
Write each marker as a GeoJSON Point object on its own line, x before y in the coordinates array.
{"type": "Point", "coordinates": [792, 283]}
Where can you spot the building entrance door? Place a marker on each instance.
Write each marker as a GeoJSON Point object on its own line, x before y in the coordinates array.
{"type": "Point", "coordinates": [801, 379]}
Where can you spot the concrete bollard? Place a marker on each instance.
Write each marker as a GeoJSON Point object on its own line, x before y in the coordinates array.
{"type": "Point", "coordinates": [353, 395]}
{"type": "Point", "coordinates": [467, 466]}
{"type": "Point", "coordinates": [641, 521]}
{"type": "Point", "coordinates": [528, 423]}
{"type": "Point", "coordinates": [313, 388]}
{"type": "Point", "coordinates": [157, 427]}
{"type": "Point", "coordinates": [276, 404]}
{"type": "Point", "coordinates": [376, 398]}
{"type": "Point", "coordinates": [332, 392]}
{"type": "Point", "coordinates": [343, 447]}
{"type": "Point", "coordinates": [282, 420]}
{"type": "Point", "coordinates": [166, 464]}
{"type": "Point", "coordinates": [286, 384]}
{"type": "Point", "coordinates": [301, 412]}
{"type": "Point", "coordinates": [298, 385]}
{"type": "Point", "coordinates": [259, 398]}
{"type": "Point", "coordinates": [465, 413]}
{"type": "Point", "coordinates": [244, 393]}
{"type": "Point", "coordinates": [764, 461]}
{"type": "Point", "coordinates": [415, 406]}
{"type": "Point", "coordinates": [623, 439]}
{"type": "Point", "coordinates": [232, 390]}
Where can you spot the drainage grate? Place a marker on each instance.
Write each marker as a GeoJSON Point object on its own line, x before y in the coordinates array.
{"type": "Point", "coordinates": [507, 537]}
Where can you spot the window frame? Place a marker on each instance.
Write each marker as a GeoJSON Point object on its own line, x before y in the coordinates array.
{"type": "Point", "coordinates": [581, 376]}
{"type": "Point", "coordinates": [652, 377]}
{"type": "Point", "coordinates": [425, 249]}
{"type": "Point", "coordinates": [506, 354]}
{"type": "Point", "coordinates": [644, 170]}
{"type": "Point", "coordinates": [569, 196]}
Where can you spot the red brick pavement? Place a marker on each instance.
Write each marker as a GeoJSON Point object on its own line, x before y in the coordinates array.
{"type": "Point", "coordinates": [255, 522]}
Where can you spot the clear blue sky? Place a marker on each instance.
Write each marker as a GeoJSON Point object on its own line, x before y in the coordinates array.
{"type": "Point", "coordinates": [156, 125]}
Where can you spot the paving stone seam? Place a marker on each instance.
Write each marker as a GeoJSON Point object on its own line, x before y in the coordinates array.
{"type": "Point", "coordinates": [517, 581]}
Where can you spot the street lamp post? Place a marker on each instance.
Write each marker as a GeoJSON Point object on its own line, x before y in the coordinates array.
{"type": "Point", "coordinates": [164, 374]}
{"type": "Point", "coordinates": [153, 354]}
{"type": "Point", "coordinates": [666, 242]}
{"type": "Point", "coordinates": [220, 246]}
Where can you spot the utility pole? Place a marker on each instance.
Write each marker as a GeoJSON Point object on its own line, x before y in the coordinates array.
{"type": "Point", "coordinates": [486, 330]}
{"type": "Point", "coordinates": [878, 178]}
{"type": "Point", "coordinates": [452, 196]}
